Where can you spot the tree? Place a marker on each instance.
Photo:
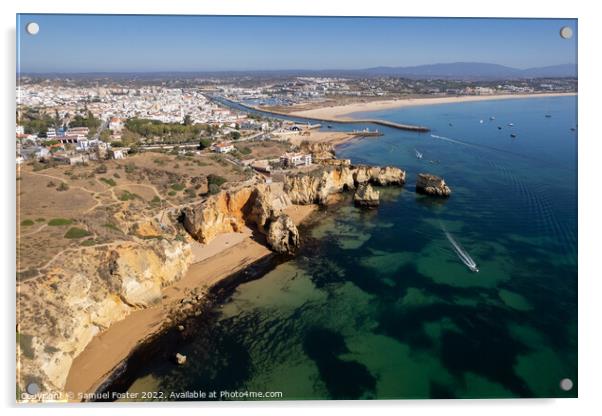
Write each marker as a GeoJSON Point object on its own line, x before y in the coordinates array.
{"type": "Point", "coordinates": [204, 143]}
{"type": "Point", "coordinates": [235, 135]}
{"type": "Point", "coordinates": [187, 120]}
{"type": "Point", "coordinates": [57, 119]}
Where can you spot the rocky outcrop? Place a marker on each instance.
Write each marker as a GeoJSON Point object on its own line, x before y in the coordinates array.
{"type": "Point", "coordinates": [265, 206]}
{"type": "Point", "coordinates": [80, 295]}
{"type": "Point", "coordinates": [231, 211]}
{"type": "Point", "coordinates": [376, 175]}
{"type": "Point", "coordinates": [366, 196]}
{"type": "Point", "coordinates": [432, 185]}
{"type": "Point", "coordinates": [282, 235]}
{"type": "Point", "coordinates": [317, 186]}
{"type": "Point", "coordinates": [336, 162]}
{"type": "Point", "coordinates": [180, 359]}
{"type": "Point", "coordinates": [319, 151]}
{"type": "Point", "coordinates": [221, 213]}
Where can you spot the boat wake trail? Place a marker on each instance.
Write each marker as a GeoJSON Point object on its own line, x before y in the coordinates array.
{"type": "Point", "coordinates": [447, 139]}
{"type": "Point", "coordinates": [460, 252]}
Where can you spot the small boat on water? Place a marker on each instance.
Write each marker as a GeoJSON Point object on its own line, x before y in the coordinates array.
{"type": "Point", "coordinates": [418, 154]}
{"type": "Point", "coordinates": [329, 126]}
{"type": "Point", "coordinates": [548, 115]}
{"type": "Point", "coordinates": [481, 121]}
{"type": "Point", "coordinates": [510, 124]}
{"type": "Point", "coordinates": [450, 124]}
{"type": "Point", "coordinates": [499, 127]}
{"type": "Point", "coordinates": [573, 129]}
{"type": "Point", "coordinates": [513, 135]}
{"type": "Point", "coordinates": [461, 253]}
{"type": "Point", "coordinates": [492, 118]}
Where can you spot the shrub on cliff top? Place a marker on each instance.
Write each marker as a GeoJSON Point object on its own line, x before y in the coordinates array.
{"type": "Point", "coordinates": [75, 232]}
{"type": "Point", "coordinates": [215, 180]}
{"type": "Point", "coordinates": [59, 221]}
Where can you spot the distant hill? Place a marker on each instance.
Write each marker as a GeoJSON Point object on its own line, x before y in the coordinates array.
{"type": "Point", "coordinates": [473, 70]}
{"type": "Point", "coordinates": [457, 70]}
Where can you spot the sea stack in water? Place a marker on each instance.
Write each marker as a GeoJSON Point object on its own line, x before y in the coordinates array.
{"type": "Point", "coordinates": [282, 235]}
{"type": "Point", "coordinates": [366, 196]}
{"type": "Point", "coordinates": [180, 359]}
{"type": "Point", "coordinates": [431, 185]}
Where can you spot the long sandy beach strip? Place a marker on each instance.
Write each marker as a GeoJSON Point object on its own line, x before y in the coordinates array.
{"type": "Point", "coordinates": [343, 112]}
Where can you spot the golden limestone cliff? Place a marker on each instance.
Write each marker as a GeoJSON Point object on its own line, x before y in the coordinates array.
{"type": "Point", "coordinates": [317, 186]}
{"type": "Point", "coordinates": [81, 294]}
{"type": "Point", "coordinates": [233, 210]}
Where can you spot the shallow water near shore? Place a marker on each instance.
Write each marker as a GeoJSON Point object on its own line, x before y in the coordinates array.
{"type": "Point", "coordinates": [377, 305]}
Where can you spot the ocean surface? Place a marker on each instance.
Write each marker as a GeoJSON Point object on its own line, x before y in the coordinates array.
{"type": "Point", "coordinates": [378, 305]}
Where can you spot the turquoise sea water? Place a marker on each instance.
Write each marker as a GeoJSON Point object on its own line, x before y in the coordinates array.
{"type": "Point", "coordinates": [378, 305]}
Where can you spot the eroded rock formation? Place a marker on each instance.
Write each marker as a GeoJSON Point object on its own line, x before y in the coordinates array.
{"type": "Point", "coordinates": [80, 295]}
{"type": "Point", "coordinates": [221, 213]}
{"type": "Point", "coordinates": [366, 196]}
{"type": "Point", "coordinates": [317, 186]}
{"type": "Point", "coordinates": [282, 235]}
{"type": "Point", "coordinates": [231, 211]}
{"type": "Point", "coordinates": [432, 185]}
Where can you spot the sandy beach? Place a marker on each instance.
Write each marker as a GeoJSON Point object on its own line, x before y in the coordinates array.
{"type": "Point", "coordinates": [343, 112]}
{"type": "Point", "coordinates": [222, 257]}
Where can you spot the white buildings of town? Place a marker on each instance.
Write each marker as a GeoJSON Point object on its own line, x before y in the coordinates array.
{"type": "Point", "coordinates": [115, 105]}
{"type": "Point", "coordinates": [116, 124]}
{"type": "Point", "coordinates": [223, 147]}
{"type": "Point", "coordinates": [295, 159]}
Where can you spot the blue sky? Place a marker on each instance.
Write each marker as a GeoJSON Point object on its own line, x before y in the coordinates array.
{"type": "Point", "coordinates": [105, 43]}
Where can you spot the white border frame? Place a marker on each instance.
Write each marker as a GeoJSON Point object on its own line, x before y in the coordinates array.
{"type": "Point", "coordinates": [590, 347]}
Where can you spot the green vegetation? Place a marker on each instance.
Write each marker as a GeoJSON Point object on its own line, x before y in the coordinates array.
{"type": "Point", "coordinates": [155, 202]}
{"type": "Point", "coordinates": [89, 242]}
{"type": "Point", "coordinates": [26, 344]}
{"type": "Point", "coordinates": [37, 166]}
{"type": "Point", "coordinates": [102, 168]}
{"type": "Point", "coordinates": [109, 181]}
{"type": "Point", "coordinates": [167, 132]}
{"type": "Point", "coordinates": [26, 223]}
{"type": "Point", "coordinates": [112, 226]}
{"type": "Point", "coordinates": [205, 143]}
{"type": "Point", "coordinates": [35, 121]}
{"type": "Point", "coordinates": [127, 196]}
{"type": "Point", "coordinates": [75, 232]}
{"type": "Point", "coordinates": [89, 121]}
{"type": "Point", "coordinates": [63, 187]}
{"type": "Point", "coordinates": [216, 180]}
{"type": "Point", "coordinates": [59, 221]}
{"type": "Point", "coordinates": [130, 168]}
{"type": "Point", "coordinates": [213, 189]}
{"type": "Point", "coordinates": [190, 192]}
{"type": "Point", "coordinates": [105, 135]}
{"type": "Point", "coordinates": [171, 193]}
{"type": "Point", "coordinates": [244, 150]}
{"type": "Point", "coordinates": [177, 187]}
{"type": "Point", "coordinates": [40, 220]}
